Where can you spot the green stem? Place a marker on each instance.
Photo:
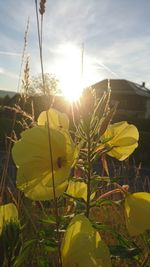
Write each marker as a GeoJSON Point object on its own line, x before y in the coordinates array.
{"type": "Point", "coordinates": [54, 188]}
{"type": "Point", "coordinates": [88, 176]}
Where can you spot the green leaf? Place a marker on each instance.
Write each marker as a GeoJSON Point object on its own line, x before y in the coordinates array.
{"type": "Point", "coordinates": [122, 240]}
{"type": "Point", "coordinates": [123, 252]}
{"type": "Point", "coordinates": [103, 179]}
{"type": "Point", "coordinates": [48, 220]}
{"type": "Point", "coordinates": [26, 249]}
{"type": "Point", "coordinates": [103, 201]}
{"type": "Point", "coordinates": [51, 248]}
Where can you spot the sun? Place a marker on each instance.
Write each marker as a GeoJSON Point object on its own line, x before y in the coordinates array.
{"type": "Point", "coordinates": [71, 88]}
{"type": "Point", "coordinates": [74, 69]}
{"type": "Point", "coordinates": [70, 71]}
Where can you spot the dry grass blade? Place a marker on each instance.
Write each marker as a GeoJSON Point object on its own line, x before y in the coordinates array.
{"type": "Point", "coordinates": [25, 81]}
{"type": "Point", "coordinates": [23, 53]}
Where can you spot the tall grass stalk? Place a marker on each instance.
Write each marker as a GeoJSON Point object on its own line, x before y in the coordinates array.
{"type": "Point", "coordinates": [23, 53]}
{"type": "Point", "coordinates": [40, 41]}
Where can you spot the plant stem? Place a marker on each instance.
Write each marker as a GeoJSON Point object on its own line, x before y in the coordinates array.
{"type": "Point", "coordinates": [40, 33]}
{"type": "Point", "coordinates": [88, 176]}
{"type": "Point", "coordinates": [54, 191]}
{"type": "Point", "coordinates": [40, 38]}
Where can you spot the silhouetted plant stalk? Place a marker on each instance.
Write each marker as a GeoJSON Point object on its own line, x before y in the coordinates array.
{"type": "Point", "coordinates": [23, 53]}
{"type": "Point", "coordinates": [25, 81]}
{"type": "Point", "coordinates": [95, 115]}
{"type": "Point", "coordinates": [40, 40]}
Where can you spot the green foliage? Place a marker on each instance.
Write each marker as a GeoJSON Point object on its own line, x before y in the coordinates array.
{"type": "Point", "coordinates": [10, 244]}
{"type": "Point", "coordinates": [86, 191]}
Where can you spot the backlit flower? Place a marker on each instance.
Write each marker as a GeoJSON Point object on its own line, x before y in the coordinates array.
{"type": "Point", "coordinates": [82, 245]}
{"type": "Point", "coordinates": [121, 139]}
{"type": "Point", "coordinates": [32, 157]}
{"type": "Point", "coordinates": [56, 119]}
{"type": "Point", "coordinates": [8, 214]}
{"type": "Point", "coordinates": [78, 190]}
{"type": "Point", "coordinates": [137, 212]}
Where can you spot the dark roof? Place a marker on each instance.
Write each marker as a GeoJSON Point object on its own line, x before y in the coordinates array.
{"type": "Point", "coordinates": [120, 86]}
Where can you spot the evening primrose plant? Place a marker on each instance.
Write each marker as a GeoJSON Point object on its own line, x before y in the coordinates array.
{"type": "Point", "coordinates": [56, 173]}
{"type": "Point", "coordinates": [68, 180]}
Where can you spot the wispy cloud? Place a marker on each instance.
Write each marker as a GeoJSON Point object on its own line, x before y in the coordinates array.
{"type": "Point", "coordinates": [4, 72]}
{"type": "Point", "coordinates": [5, 53]}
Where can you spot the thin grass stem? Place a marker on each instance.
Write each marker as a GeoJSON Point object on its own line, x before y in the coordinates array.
{"type": "Point", "coordinates": [40, 37]}
{"type": "Point", "coordinates": [88, 177]}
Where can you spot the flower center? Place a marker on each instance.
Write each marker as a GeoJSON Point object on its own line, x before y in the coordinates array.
{"type": "Point", "coordinates": [59, 162]}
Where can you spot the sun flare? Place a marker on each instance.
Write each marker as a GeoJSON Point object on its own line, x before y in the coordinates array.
{"type": "Point", "coordinates": [70, 74]}
{"type": "Point", "coordinates": [75, 70]}
{"type": "Point", "coordinates": [71, 89]}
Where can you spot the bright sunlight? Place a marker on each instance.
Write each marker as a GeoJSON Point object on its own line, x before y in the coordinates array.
{"type": "Point", "coordinates": [70, 74]}
{"type": "Point", "coordinates": [73, 69]}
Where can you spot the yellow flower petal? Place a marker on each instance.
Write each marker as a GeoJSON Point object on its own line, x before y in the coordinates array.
{"type": "Point", "coordinates": [121, 153]}
{"type": "Point", "coordinates": [56, 119]}
{"type": "Point", "coordinates": [82, 245]}
{"type": "Point", "coordinates": [8, 213]}
{"type": "Point", "coordinates": [42, 192]}
{"type": "Point", "coordinates": [32, 157]}
{"type": "Point", "coordinates": [78, 190]}
{"type": "Point", "coordinates": [137, 212]}
{"type": "Point", "coordinates": [122, 139]}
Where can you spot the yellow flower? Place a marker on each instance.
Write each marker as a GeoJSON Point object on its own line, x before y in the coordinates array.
{"type": "Point", "coordinates": [8, 213]}
{"type": "Point", "coordinates": [56, 119]}
{"type": "Point", "coordinates": [78, 190]}
{"type": "Point", "coordinates": [32, 157]}
{"type": "Point", "coordinates": [82, 245]}
{"type": "Point", "coordinates": [121, 139]}
{"type": "Point", "coordinates": [137, 212]}
{"type": "Point", "coordinates": [59, 121]}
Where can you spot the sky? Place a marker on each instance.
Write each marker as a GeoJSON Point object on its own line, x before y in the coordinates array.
{"type": "Point", "coordinates": [112, 35]}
